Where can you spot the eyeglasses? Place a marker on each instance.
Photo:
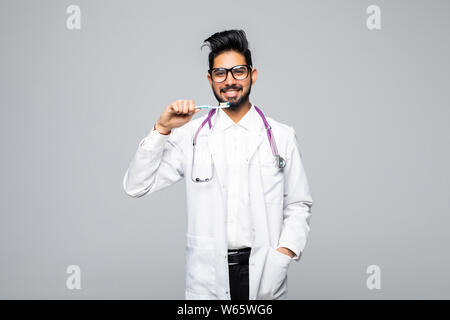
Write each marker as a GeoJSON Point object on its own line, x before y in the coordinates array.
{"type": "Point", "coordinates": [239, 73]}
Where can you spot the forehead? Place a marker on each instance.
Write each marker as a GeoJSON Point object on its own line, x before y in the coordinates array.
{"type": "Point", "coordinates": [228, 59]}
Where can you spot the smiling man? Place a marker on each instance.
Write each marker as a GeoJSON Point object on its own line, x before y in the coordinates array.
{"type": "Point", "coordinates": [248, 198]}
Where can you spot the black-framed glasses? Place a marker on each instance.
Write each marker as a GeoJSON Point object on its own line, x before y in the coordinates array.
{"type": "Point", "coordinates": [239, 72]}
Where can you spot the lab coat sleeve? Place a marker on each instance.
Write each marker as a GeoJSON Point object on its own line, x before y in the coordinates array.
{"type": "Point", "coordinates": [156, 165]}
{"type": "Point", "coordinates": [297, 201]}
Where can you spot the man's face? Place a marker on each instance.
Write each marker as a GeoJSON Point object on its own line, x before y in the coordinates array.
{"type": "Point", "coordinates": [236, 92]}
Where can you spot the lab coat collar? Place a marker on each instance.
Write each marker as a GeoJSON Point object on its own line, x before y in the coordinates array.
{"type": "Point", "coordinates": [251, 121]}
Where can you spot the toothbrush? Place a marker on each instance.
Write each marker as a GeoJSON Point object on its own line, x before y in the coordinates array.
{"type": "Point", "coordinates": [220, 106]}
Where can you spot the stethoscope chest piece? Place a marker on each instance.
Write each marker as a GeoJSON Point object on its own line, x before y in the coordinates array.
{"type": "Point", "coordinates": [280, 162]}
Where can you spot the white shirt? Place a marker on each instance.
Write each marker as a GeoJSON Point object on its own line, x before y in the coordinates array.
{"type": "Point", "coordinates": [239, 220]}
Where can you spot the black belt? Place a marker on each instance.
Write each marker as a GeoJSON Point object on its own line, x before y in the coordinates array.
{"type": "Point", "coordinates": [238, 256]}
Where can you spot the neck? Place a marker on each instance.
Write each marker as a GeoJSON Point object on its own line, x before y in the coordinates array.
{"type": "Point", "coordinates": [237, 113]}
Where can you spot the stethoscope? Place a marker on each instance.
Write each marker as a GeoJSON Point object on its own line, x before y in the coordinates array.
{"type": "Point", "coordinates": [281, 163]}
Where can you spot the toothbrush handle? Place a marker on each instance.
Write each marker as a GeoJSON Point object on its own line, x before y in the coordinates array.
{"type": "Point", "coordinates": [203, 107]}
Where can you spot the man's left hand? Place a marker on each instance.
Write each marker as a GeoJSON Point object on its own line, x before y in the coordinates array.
{"type": "Point", "coordinates": [286, 251]}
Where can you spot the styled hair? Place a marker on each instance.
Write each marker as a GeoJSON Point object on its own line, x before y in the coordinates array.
{"type": "Point", "coordinates": [227, 40]}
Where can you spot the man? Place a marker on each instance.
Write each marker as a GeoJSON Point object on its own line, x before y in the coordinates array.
{"type": "Point", "coordinates": [247, 218]}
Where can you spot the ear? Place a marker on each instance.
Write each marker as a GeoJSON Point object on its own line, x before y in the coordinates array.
{"type": "Point", "coordinates": [209, 78]}
{"type": "Point", "coordinates": [254, 75]}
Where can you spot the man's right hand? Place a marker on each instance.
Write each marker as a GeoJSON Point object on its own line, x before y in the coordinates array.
{"type": "Point", "coordinates": [175, 115]}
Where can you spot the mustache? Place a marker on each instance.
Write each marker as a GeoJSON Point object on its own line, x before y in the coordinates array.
{"type": "Point", "coordinates": [230, 88]}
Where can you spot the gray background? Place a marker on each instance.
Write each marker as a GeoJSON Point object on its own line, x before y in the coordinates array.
{"type": "Point", "coordinates": [370, 108]}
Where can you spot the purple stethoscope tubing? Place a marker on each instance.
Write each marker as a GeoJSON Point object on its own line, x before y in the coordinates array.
{"type": "Point", "coordinates": [280, 161]}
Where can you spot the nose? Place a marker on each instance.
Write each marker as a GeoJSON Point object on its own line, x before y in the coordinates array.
{"type": "Point", "coordinates": [230, 79]}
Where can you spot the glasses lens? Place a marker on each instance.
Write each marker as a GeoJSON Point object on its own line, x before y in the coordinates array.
{"type": "Point", "coordinates": [219, 75]}
{"type": "Point", "coordinates": [240, 72]}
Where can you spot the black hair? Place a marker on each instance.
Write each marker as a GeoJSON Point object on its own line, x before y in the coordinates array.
{"type": "Point", "coordinates": [228, 40]}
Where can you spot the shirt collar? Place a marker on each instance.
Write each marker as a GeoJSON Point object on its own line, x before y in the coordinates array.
{"type": "Point", "coordinates": [249, 121]}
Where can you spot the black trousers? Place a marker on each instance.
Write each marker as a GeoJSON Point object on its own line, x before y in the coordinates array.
{"type": "Point", "coordinates": [238, 273]}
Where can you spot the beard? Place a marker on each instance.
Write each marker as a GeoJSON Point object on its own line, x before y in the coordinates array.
{"type": "Point", "coordinates": [235, 105]}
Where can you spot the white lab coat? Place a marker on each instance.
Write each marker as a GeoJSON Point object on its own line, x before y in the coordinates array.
{"type": "Point", "coordinates": [280, 204]}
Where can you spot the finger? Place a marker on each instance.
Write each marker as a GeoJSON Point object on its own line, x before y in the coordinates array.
{"type": "Point", "coordinates": [180, 107]}
{"type": "Point", "coordinates": [191, 105]}
{"type": "Point", "coordinates": [185, 107]}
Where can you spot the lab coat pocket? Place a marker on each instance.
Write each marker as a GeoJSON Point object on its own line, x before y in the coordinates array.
{"type": "Point", "coordinates": [274, 279]}
{"type": "Point", "coordinates": [200, 272]}
{"type": "Point", "coordinates": [272, 180]}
